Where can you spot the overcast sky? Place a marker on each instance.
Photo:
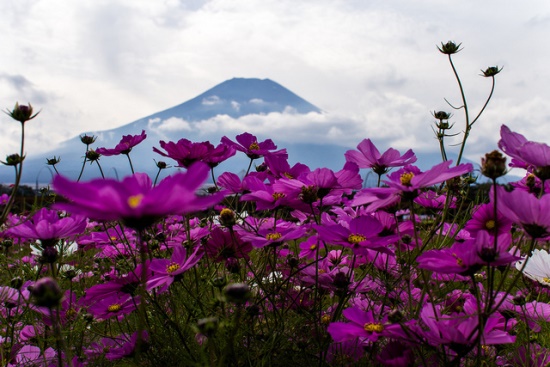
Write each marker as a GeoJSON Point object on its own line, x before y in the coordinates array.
{"type": "Point", "coordinates": [372, 66]}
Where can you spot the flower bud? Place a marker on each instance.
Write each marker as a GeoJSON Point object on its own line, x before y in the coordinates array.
{"type": "Point", "coordinates": [13, 160]}
{"type": "Point", "coordinates": [161, 165]}
{"type": "Point", "coordinates": [46, 293]}
{"type": "Point", "coordinates": [441, 115]}
{"type": "Point", "coordinates": [52, 161]}
{"type": "Point", "coordinates": [92, 155]}
{"type": "Point", "coordinates": [493, 165]}
{"type": "Point", "coordinates": [449, 48]}
{"type": "Point", "coordinates": [237, 293]}
{"type": "Point", "coordinates": [491, 71]}
{"type": "Point", "coordinates": [22, 113]}
{"type": "Point", "coordinates": [88, 139]}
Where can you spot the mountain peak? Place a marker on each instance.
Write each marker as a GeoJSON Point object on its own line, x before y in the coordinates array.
{"type": "Point", "coordinates": [243, 96]}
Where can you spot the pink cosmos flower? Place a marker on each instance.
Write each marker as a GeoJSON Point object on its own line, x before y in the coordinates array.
{"type": "Point", "coordinates": [368, 156]}
{"type": "Point", "coordinates": [165, 271]}
{"type": "Point", "coordinates": [225, 244]}
{"type": "Point", "coordinates": [47, 226]}
{"type": "Point", "coordinates": [460, 329]}
{"type": "Point", "coordinates": [134, 200]}
{"type": "Point", "coordinates": [523, 208]}
{"type": "Point", "coordinates": [116, 305]}
{"type": "Point", "coordinates": [363, 325]}
{"type": "Point", "coordinates": [483, 219]}
{"type": "Point", "coordinates": [124, 146]}
{"type": "Point", "coordinates": [527, 154]}
{"type": "Point", "coordinates": [186, 152]}
{"type": "Point", "coordinates": [248, 144]}
{"type": "Point", "coordinates": [406, 183]}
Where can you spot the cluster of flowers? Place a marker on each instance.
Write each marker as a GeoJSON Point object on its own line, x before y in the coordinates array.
{"type": "Point", "coordinates": [408, 273]}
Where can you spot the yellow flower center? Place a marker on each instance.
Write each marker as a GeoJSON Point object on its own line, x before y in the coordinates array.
{"type": "Point", "coordinates": [172, 267]}
{"type": "Point", "coordinates": [373, 327]}
{"type": "Point", "coordinates": [288, 175]}
{"type": "Point", "coordinates": [356, 238]}
{"type": "Point", "coordinates": [313, 247]}
{"type": "Point", "coordinates": [325, 319]}
{"type": "Point", "coordinates": [226, 212]}
{"type": "Point", "coordinates": [490, 224]}
{"type": "Point", "coordinates": [278, 195]}
{"type": "Point", "coordinates": [114, 307]}
{"type": "Point", "coordinates": [273, 236]}
{"type": "Point", "coordinates": [254, 146]}
{"type": "Point", "coordinates": [406, 178]}
{"type": "Point", "coordinates": [135, 200]}
{"type": "Point", "coordinates": [546, 280]}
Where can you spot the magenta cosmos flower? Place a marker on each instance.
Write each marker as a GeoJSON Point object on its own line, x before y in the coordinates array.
{"type": "Point", "coordinates": [186, 152]}
{"type": "Point", "coordinates": [407, 182]}
{"type": "Point", "coordinates": [165, 271]}
{"type": "Point", "coordinates": [248, 144]}
{"type": "Point", "coordinates": [124, 146]}
{"type": "Point", "coordinates": [523, 208]}
{"type": "Point", "coordinates": [368, 156]}
{"type": "Point", "coordinates": [134, 200]}
{"type": "Point", "coordinates": [47, 226]}
{"type": "Point", "coordinates": [363, 325]}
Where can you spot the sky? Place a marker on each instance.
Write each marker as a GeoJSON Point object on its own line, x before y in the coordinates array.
{"type": "Point", "coordinates": [372, 66]}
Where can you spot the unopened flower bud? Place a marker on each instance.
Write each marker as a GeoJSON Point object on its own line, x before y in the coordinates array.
{"type": "Point", "coordinates": [441, 115]}
{"type": "Point", "coordinates": [52, 161]}
{"type": "Point", "coordinates": [22, 113]}
{"type": "Point", "coordinates": [92, 155]}
{"type": "Point", "coordinates": [13, 160]}
{"type": "Point", "coordinates": [493, 165]}
{"type": "Point", "coordinates": [88, 139]}
{"type": "Point", "coordinates": [491, 71]}
{"type": "Point", "coordinates": [237, 293]}
{"type": "Point", "coordinates": [449, 48]}
{"type": "Point", "coordinates": [46, 293]}
{"type": "Point", "coordinates": [161, 165]}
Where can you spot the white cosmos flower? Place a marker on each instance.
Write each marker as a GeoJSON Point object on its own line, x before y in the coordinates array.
{"type": "Point", "coordinates": [537, 267]}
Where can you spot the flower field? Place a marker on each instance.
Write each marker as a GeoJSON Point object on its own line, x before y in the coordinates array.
{"type": "Point", "coordinates": [286, 265]}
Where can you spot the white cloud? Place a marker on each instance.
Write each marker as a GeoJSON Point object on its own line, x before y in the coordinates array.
{"type": "Point", "coordinates": [211, 101]}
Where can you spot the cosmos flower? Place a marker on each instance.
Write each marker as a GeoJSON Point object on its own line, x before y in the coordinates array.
{"type": "Point", "coordinates": [248, 144]}
{"type": "Point", "coordinates": [134, 200]}
{"type": "Point", "coordinates": [166, 270]}
{"type": "Point", "coordinates": [115, 305]}
{"type": "Point", "coordinates": [523, 208]}
{"type": "Point", "coordinates": [363, 325]}
{"type": "Point", "coordinates": [368, 156]}
{"type": "Point", "coordinates": [407, 182]}
{"type": "Point", "coordinates": [186, 152]}
{"type": "Point", "coordinates": [537, 266]}
{"type": "Point", "coordinates": [124, 146]}
{"type": "Point", "coordinates": [47, 226]}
